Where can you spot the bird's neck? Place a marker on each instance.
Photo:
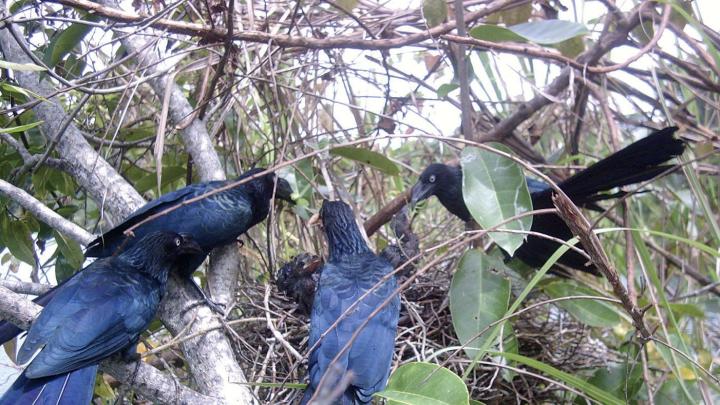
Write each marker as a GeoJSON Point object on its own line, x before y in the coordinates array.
{"type": "Point", "coordinates": [137, 260]}
{"type": "Point", "coordinates": [451, 196]}
{"type": "Point", "coordinates": [345, 240]}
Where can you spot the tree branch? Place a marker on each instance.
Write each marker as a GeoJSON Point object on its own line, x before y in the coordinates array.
{"type": "Point", "coordinates": [582, 228]}
{"type": "Point", "coordinates": [45, 214]}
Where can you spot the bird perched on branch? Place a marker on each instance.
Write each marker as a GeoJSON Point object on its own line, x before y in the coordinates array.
{"type": "Point", "coordinates": [638, 162]}
{"type": "Point", "coordinates": [350, 360]}
{"type": "Point", "coordinates": [100, 312]}
{"type": "Point", "coordinates": [214, 221]}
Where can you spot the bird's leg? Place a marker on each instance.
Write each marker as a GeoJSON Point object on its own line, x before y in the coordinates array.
{"type": "Point", "coordinates": [130, 354]}
{"type": "Point", "coordinates": [215, 306]}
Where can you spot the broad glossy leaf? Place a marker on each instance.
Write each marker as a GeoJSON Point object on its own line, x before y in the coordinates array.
{"type": "Point", "coordinates": [548, 32]}
{"type": "Point", "coordinates": [424, 384]}
{"type": "Point", "coordinates": [511, 16]}
{"type": "Point", "coordinates": [434, 12]}
{"type": "Point", "coordinates": [494, 190]}
{"type": "Point", "coordinates": [70, 249]}
{"type": "Point", "coordinates": [367, 157]}
{"type": "Point", "coordinates": [495, 33]}
{"type": "Point", "coordinates": [446, 88]}
{"type": "Point", "coordinates": [18, 239]}
{"type": "Point", "coordinates": [589, 312]}
{"type": "Point", "coordinates": [671, 393]}
{"type": "Point", "coordinates": [65, 42]}
{"type": "Point", "coordinates": [621, 380]}
{"type": "Point", "coordinates": [478, 297]}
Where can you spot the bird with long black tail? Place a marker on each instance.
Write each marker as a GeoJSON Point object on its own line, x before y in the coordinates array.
{"type": "Point", "coordinates": [214, 221]}
{"type": "Point", "coordinates": [353, 359]}
{"type": "Point", "coordinates": [100, 312]}
{"type": "Point", "coordinates": [636, 163]}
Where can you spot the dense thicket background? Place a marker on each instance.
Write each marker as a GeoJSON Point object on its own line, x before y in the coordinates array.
{"type": "Point", "coordinates": [106, 105]}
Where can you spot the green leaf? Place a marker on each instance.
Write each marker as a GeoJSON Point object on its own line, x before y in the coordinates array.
{"type": "Point", "coordinates": [671, 393]}
{"type": "Point", "coordinates": [63, 268]}
{"type": "Point", "coordinates": [149, 180]}
{"type": "Point", "coordinates": [425, 384]}
{"type": "Point", "coordinates": [16, 236]}
{"type": "Point", "coordinates": [62, 44]}
{"type": "Point", "coordinates": [589, 389]}
{"type": "Point", "coordinates": [478, 297]}
{"type": "Point", "coordinates": [571, 47]}
{"type": "Point", "coordinates": [21, 67]}
{"type": "Point", "coordinates": [20, 128]}
{"type": "Point", "coordinates": [446, 88]}
{"type": "Point", "coordinates": [347, 5]}
{"type": "Point", "coordinates": [367, 157]}
{"type": "Point", "coordinates": [495, 33]}
{"type": "Point", "coordinates": [511, 16]}
{"type": "Point", "coordinates": [70, 249]}
{"type": "Point", "coordinates": [548, 32]}
{"type": "Point", "coordinates": [494, 190]}
{"type": "Point", "coordinates": [434, 12]}
{"type": "Point", "coordinates": [590, 312]}
{"type": "Point", "coordinates": [622, 380]}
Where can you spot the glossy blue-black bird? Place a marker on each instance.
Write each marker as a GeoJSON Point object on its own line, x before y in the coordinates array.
{"type": "Point", "coordinates": [638, 162]}
{"type": "Point", "coordinates": [100, 312]}
{"type": "Point", "coordinates": [214, 221]}
{"type": "Point", "coordinates": [351, 269]}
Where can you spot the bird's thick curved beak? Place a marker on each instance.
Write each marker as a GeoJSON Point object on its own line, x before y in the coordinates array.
{"type": "Point", "coordinates": [190, 246]}
{"type": "Point", "coordinates": [420, 191]}
{"type": "Point", "coordinates": [284, 191]}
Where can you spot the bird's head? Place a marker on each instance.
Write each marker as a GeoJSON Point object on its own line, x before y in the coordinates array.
{"type": "Point", "coordinates": [284, 191]}
{"type": "Point", "coordinates": [160, 251]}
{"type": "Point", "coordinates": [265, 184]}
{"type": "Point", "coordinates": [430, 181]}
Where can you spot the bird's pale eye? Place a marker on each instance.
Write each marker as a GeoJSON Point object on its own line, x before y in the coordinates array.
{"type": "Point", "coordinates": [177, 242]}
{"type": "Point", "coordinates": [432, 178]}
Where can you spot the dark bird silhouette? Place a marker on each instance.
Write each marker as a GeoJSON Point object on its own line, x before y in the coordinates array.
{"type": "Point", "coordinates": [638, 162]}
{"type": "Point", "coordinates": [362, 368]}
{"type": "Point", "coordinates": [297, 279]}
{"type": "Point", "coordinates": [98, 313]}
{"type": "Point", "coordinates": [214, 221]}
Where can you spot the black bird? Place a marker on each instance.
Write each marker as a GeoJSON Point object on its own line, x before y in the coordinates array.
{"type": "Point", "coordinates": [638, 162]}
{"type": "Point", "coordinates": [297, 279]}
{"type": "Point", "coordinates": [100, 312]}
{"type": "Point", "coordinates": [213, 221]}
{"type": "Point", "coordinates": [350, 271]}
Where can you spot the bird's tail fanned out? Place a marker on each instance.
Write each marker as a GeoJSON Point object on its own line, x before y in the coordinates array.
{"type": "Point", "coordinates": [71, 388]}
{"type": "Point", "coordinates": [638, 162]}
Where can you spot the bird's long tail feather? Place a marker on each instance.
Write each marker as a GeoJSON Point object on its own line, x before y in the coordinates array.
{"type": "Point", "coordinates": [74, 388]}
{"type": "Point", "coordinates": [639, 161]}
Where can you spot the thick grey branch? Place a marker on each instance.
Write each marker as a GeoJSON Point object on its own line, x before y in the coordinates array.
{"type": "Point", "coordinates": [24, 287]}
{"type": "Point", "coordinates": [45, 214]}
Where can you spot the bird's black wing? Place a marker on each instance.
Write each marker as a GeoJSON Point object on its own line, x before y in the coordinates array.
{"type": "Point", "coordinates": [98, 313]}
{"type": "Point", "coordinates": [106, 244]}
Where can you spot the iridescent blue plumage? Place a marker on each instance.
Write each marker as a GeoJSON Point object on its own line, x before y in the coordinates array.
{"type": "Point", "coordinates": [351, 270]}
{"type": "Point", "coordinates": [214, 221]}
{"type": "Point", "coordinates": [100, 312]}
